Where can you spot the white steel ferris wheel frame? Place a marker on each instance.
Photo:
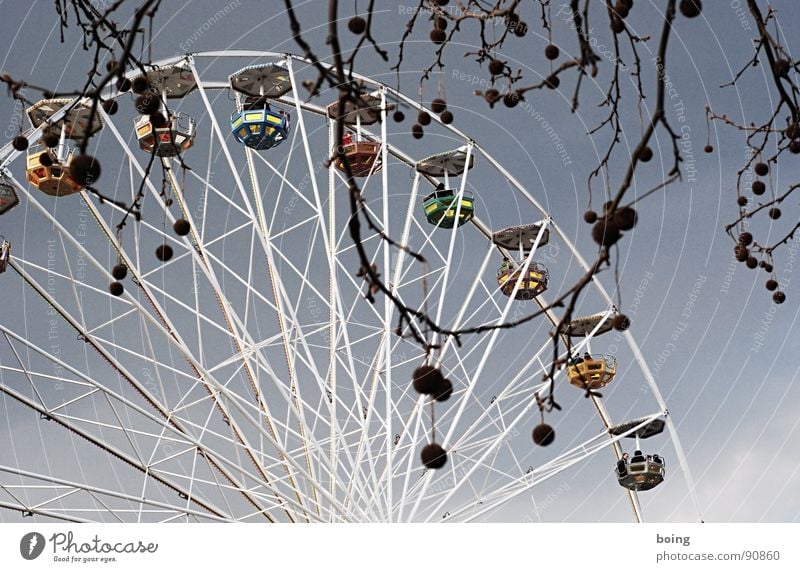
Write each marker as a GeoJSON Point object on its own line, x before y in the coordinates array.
{"type": "Point", "coordinates": [381, 492]}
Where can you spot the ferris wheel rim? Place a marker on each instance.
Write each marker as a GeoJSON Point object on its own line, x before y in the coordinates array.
{"type": "Point", "coordinates": [472, 145]}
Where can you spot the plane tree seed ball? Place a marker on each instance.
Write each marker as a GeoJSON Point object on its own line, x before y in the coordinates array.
{"type": "Point", "coordinates": [691, 8]}
{"type": "Point", "coordinates": [181, 227]}
{"type": "Point", "coordinates": [20, 143]}
{"type": "Point", "coordinates": [606, 233]}
{"type": "Point", "coordinates": [434, 456]}
{"type": "Point", "coordinates": [123, 84]}
{"type": "Point", "coordinates": [111, 106]}
{"type": "Point", "coordinates": [85, 169]}
{"type": "Point", "coordinates": [782, 67]}
{"type": "Point", "coordinates": [164, 252]}
{"type": "Point", "coordinates": [50, 140]}
{"type": "Point", "coordinates": [119, 272]}
{"type": "Point", "coordinates": [551, 52]}
{"type": "Point", "coordinates": [491, 96]}
{"type": "Point", "coordinates": [620, 322]}
{"type": "Point", "coordinates": [496, 67]}
{"type": "Point", "coordinates": [511, 99]}
{"type": "Point", "coordinates": [45, 159]}
{"type": "Point", "coordinates": [625, 218]}
{"type": "Point", "coordinates": [357, 25]}
{"type": "Point", "coordinates": [140, 84]}
{"type": "Point", "coordinates": [444, 391]}
{"type": "Point", "coordinates": [438, 36]}
{"type": "Point", "coordinates": [427, 379]}
{"type": "Point", "coordinates": [543, 435]}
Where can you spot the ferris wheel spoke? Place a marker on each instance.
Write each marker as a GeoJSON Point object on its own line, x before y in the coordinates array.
{"type": "Point", "coordinates": [207, 185]}
{"type": "Point", "coordinates": [280, 295]}
{"type": "Point", "coordinates": [206, 448]}
{"type": "Point", "coordinates": [470, 388]}
{"type": "Point", "coordinates": [550, 469]}
{"type": "Point", "coordinates": [63, 488]}
{"type": "Point", "coordinates": [71, 424]}
{"type": "Point", "coordinates": [231, 318]}
{"type": "Point", "coordinates": [506, 392]}
{"type": "Point", "coordinates": [109, 357]}
{"type": "Point", "coordinates": [276, 397]}
{"type": "Point", "coordinates": [286, 182]}
{"type": "Point", "coordinates": [354, 412]}
{"type": "Point", "coordinates": [451, 245]}
{"type": "Point", "coordinates": [26, 511]}
{"type": "Point", "coordinates": [237, 277]}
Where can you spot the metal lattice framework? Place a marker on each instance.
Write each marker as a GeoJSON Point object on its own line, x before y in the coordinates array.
{"type": "Point", "coordinates": [247, 378]}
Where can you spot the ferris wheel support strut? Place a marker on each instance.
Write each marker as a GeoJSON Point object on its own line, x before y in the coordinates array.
{"type": "Point", "coordinates": [143, 391]}
{"type": "Point", "coordinates": [473, 381]}
{"type": "Point", "coordinates": [265, 245]}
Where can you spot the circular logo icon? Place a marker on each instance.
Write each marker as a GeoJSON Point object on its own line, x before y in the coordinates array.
{"type": "Point", "coordinates": [31, 545]}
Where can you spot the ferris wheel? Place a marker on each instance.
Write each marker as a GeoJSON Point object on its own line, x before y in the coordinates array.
{"type": "Point", "coordinates": [221, 357]}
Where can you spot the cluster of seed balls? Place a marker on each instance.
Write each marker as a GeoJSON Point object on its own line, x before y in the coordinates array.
{"type": "Point", "coordinates": [742, 254]}
{"type": "Point", "coordinates": [85, 169]}
{"type": "Point", "coordinates": [621, 9]}
{"type": "Point", "coordinates": [147, 102]}
{"type": "Point", "coordinates": [428, 380]}
{"type": "Point", "coordinates": [608, 227]}
{"type": "Point", "coordinates": [742, 249]}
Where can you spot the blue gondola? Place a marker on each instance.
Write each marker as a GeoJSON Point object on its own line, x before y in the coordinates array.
{"type": "Point", "coordinates": [260, 127]}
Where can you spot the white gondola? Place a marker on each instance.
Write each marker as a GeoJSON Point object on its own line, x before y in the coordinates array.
{"type": "Point", "coordinates": [640, 472]}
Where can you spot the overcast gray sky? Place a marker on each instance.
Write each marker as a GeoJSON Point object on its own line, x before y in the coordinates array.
{"type": "Point", "coordinates": [721, 352]}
